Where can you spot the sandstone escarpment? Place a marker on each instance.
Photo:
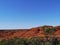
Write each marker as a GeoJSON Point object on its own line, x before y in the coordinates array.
{"type": "Point", "coordinates": [26, 33]}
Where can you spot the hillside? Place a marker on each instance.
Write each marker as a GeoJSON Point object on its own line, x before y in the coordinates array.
{"type": "Point", "coordinates": [27, 33]}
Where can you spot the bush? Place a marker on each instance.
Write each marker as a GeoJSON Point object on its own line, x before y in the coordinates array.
{"type": "Point", "coordinates": [30, 41]}
{"type": "Point", "coordinates": [48, 30]}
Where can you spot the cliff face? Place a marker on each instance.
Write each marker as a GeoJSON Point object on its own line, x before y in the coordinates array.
{"type": "Point", "coordinates": [26, 33]}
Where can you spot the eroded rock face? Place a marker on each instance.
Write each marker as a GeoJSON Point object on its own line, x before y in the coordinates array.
{"type": "Point", "coordinates": [57, 27]}
{"type": "Point", "coordinates": [26, 33]}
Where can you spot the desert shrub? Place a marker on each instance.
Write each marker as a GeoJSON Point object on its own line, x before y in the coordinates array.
{"type": "Point", "coordinates": [19, 41]}
{"type": "Point", "coordinates": [35, 41]}
{"type": "Point", "coordinates": [48, 30]}
{"type": "Point", "coordinates": [30, 41]}
{"type": "Point", "coordinates": [3, 42]}
{"type": "Point", "coordinates": [10, 42]}
{"type": "Point", "coordinates": [54, 41]}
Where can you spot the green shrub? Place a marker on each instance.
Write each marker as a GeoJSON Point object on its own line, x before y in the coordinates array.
{"type": "Point", "coordinates": [30, 41]}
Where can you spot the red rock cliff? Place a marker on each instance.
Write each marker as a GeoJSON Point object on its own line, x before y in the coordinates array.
{"type": "Point", "coordinates": [26, 33]}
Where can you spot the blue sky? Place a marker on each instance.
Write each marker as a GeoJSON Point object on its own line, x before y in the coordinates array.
{"type": "Point", "coordinates": [29, 13]}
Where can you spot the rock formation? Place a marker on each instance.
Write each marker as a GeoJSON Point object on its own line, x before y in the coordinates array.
{"type": "Point", "coordinates": [26, 33]}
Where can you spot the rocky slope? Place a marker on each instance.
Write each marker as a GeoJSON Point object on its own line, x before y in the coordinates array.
{"type": "Point", "coordinates": [26, 33]}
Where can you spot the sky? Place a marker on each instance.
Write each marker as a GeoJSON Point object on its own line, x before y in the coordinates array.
{"type": "Point", "coordinates": [18, 14]}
